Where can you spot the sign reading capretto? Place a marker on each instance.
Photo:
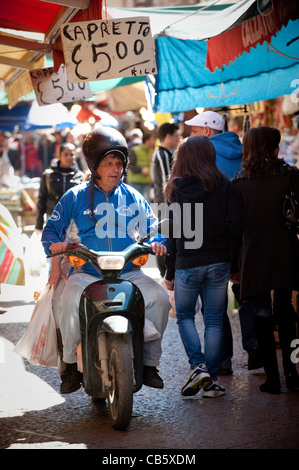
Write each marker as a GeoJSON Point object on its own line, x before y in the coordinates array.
{"type": "Point", "coordinates": [54, 87]}
{"type": "Point", "coordinates": [99, 50]}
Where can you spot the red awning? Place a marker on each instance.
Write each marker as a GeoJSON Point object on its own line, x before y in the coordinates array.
{"type": "Point", "coordinates": [227, 47]}
{"type": "Point", "coordinates": [22, 50]}
{"type": "Point", "coordinates": [28, 15]}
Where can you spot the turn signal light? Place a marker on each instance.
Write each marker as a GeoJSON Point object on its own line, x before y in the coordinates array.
{"type": "Point", "coordinates": [141, 260]}
{"type": "Point", "coordinates": [77, 262]}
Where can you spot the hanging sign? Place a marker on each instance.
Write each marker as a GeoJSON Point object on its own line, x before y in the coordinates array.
{"type": "Point", "coordinates": [100, 50]}
{"type": "Point", "coordinates": [54, 87]}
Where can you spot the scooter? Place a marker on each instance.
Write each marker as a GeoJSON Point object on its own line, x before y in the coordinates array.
{"type": "Point", "coordinates": [112, 322]}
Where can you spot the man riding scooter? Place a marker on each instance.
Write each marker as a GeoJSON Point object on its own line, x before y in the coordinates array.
{"type": "Point", "coordinates": [104, 214]}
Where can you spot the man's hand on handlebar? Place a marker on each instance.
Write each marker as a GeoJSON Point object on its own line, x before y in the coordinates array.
{"type": "Point", "coordinates": [158, 249]}
{"type": "Point", "coordinates": [58, 247]}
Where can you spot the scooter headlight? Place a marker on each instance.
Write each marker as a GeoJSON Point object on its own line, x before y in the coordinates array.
{"type": "Point", "coordinates": [111, 262]}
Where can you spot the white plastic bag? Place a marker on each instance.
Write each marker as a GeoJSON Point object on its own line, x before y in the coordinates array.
{"type": "Point", "coordinates": [35, 257]}
{"type": "Point", "coordinates": [39, 343]}
{"type": "Point", "coordinates": [150, 332]}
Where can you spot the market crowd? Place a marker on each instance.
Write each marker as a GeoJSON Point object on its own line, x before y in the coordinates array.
{"type": "Point", "coordinates": [246, 245]}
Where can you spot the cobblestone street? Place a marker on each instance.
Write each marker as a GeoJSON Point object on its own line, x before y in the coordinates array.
{"type": "Point", "coordinates": [34, 415]}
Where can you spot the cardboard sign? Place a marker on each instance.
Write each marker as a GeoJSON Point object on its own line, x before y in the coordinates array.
{"type": "Point", "coordinates": [100, 50]}
{"type": "Point", "coordinates": [51, 87]}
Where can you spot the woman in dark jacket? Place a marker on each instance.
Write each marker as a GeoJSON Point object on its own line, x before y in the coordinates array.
{"type": "Point", "coordinates": [270, 251]}
{"type": "Point", "coordinates": [208, 210]}
{"type": "Point", "coordinates": [63, 175]}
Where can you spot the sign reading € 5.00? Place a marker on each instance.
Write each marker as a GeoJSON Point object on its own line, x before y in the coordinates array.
{"type": "Point", "coordinates": [99, 50]}
{"type": "Point", "coordinates": [53, 87]}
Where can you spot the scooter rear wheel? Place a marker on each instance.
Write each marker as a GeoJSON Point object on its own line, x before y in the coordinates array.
{"type": "Point", "coordinates": [120, 398]}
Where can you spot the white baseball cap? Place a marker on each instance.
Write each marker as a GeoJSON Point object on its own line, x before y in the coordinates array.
{"type": "Point", "coordinates": [209, 119]}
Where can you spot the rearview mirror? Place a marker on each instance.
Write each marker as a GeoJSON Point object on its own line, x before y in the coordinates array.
{"type": "Point", "coordinates": [165, 227]}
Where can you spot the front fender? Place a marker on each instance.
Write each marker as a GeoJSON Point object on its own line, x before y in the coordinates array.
{"type": "Point", "coordinates": [116, 324]}
{"type": "Point", "coordinates": [113, 307]}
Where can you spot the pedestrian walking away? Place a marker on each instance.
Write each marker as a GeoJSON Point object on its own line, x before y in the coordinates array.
{"type": "Point", "coordinates": [203, 268]}
{"type": "Point", "coordinates": [270, 254]}
{"type": "Point", "coordinates": [228, 149]}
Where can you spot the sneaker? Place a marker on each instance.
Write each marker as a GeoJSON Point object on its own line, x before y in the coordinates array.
{"type": "Point", "coordinates": [199, 377]}
{"type": "Point", "coordinates": [71, 379]}
{"type": "Point", "coordinates": [151, 378]}
{"type": "Point", "coordinates": [213, 390]}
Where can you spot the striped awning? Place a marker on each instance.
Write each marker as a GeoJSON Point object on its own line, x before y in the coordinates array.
{"type": "Point", "coordinates": [12, 269]}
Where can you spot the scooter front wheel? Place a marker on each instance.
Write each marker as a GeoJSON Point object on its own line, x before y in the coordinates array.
{"type": "Point", "coordinates": [120, 396]}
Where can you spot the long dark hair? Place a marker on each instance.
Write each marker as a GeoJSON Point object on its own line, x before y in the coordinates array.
{"type": "Point", "coordinates": [259, 145]}
{"type": "Point", "coordinates": [195, 156]}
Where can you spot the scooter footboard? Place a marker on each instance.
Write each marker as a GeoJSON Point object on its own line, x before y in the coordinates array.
{"type": "Point", "coordinates": [102, 301]}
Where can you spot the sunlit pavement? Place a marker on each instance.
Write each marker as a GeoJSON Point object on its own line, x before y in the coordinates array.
{"type": "Point", "coordinates": [34, 414]}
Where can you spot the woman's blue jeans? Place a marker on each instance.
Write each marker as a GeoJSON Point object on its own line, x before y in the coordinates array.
{"type": "Point", "coordinates": [211, 283]}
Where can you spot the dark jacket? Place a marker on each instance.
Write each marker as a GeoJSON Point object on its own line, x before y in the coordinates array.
{"type": "Point", "coordinates": [270, 251]}
{"type": "Point", "coordinates": [54, 183]}
{"type": "Point", "coordinates": [161, 167]}
{"type": "Point", "coordinates": [221, 222]}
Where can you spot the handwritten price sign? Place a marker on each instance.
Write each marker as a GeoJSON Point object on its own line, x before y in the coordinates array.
{"type": "Point", "coordinates": [98, 50]}
{"type": "Point", "coordinates": [53, 87]}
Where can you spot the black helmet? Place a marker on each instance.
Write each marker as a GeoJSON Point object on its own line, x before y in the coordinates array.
{"type": "Point", "coordinates": [100, 142]}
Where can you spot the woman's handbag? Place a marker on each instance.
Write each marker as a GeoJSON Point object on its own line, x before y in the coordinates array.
{"type": "Point", "coordinates": [39, 343]}
{"type": "Point", "coordinates": [291, 208]}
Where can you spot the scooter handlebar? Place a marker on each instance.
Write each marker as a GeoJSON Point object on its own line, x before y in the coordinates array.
{"type": "Point", "coordinates": [80, 250]}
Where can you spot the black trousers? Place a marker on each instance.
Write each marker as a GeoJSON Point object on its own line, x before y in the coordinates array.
{"type": "Point", "coordinates": [267, 314]}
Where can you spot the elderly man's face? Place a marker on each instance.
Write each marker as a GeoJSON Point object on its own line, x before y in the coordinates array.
{"type": "Point", "coordinates": [110, 171]}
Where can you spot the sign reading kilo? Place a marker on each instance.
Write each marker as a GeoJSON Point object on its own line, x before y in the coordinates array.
{"type": "Point", "coordinates": [99, 50]}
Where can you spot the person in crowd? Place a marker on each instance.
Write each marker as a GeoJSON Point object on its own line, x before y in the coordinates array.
{"type": "Point", "coordinates": [294, 145]}
{"type": "Point", "coordinates": [6, 168]}
{"type": "Point", "coordinates": [44, 150]}
{"type": "Point", "coordinates": [33, 165]}
{"type": "Point", "coordinates": [63, 175]}
{"type": "Point", "coordinates": [194, 268]}
{"type": "Point", "coordinates": [227, 144]}
{"type": "Point", "coordinates": [270, 255]}
{"type": "Point", "coordinates": [80, 159]}
{"type": "Point", "coordinates": [162, 160]}
{"type": "Point", "coordinates": [228, 160]}
{"type": "Point", "coordinates": [135, 137]}
{"type": "Point", "coordinates": [106, 152]}
{"type": "Point", "coordinates": [140, 157]}
{"type": "Point", "coordinates": [59, 139]}
{"type": "Point", "coordinates": [161, 165]}
{"type": "Point", "coordinates": [11, 145]}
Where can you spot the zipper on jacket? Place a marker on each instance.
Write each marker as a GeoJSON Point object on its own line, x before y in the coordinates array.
{"type": "Point", "coordinates": [108, 214]}
{"type": "Point", "coordinates": [64, 183]}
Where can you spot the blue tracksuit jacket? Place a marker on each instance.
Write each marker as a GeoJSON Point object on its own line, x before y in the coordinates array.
{"type": "Point", "coordinates": [120, 214]}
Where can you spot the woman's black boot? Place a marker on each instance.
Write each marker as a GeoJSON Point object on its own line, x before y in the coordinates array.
{"type": "Point", "coordinates": [267, 349]}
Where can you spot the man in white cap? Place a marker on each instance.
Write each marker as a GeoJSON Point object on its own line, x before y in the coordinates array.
{"type": "Point", "coordinates": [227, 144]}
